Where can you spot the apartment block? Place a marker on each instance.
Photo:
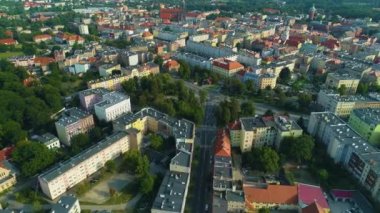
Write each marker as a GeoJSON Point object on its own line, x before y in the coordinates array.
{"type": "Point", "coordinates": [261, 80]}
{"type": "Point", "coordinates": [73, 121]}
{"type": "Point", "coordinates": [348, 148]}
{"type": "Point", "coordinates": [88, 98]}
{"type": "Point", "coordinates": [285, 128]}
{"type": "Point", "coordinates": [257, 132]}
{"type": "Point", "coordinates": [110, 82]}
{"type": "Point", "coordinates": [226, 67]}
{"type": "Point", "coordinates": [222, 172]}
{"type": "Point", "coordinates": [67, 204]}
{"type": "Point", "coordinates": [343, 105]}
{"type": "Point", "coordinates": [367, 123]}
{"type": "Point", "coordinates": [106, 69]}
{"type": "Point", "coordinates": [172, 193]}
{"type": "Point", "coordinates": [65, 175]}
{"type": "Point", "coordinates": [112, 105]}
{"type": "Point", "coordinates": [336, 80]}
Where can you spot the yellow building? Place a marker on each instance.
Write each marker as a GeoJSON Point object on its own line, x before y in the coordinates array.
{"type": "Point", "coordinates": [337, 80]}
{"type": "Point", "coordinates": [226, 67]}
{"type": "Point", "coordinates": [7, 179]}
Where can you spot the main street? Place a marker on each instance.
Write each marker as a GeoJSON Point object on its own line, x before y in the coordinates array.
{"type": "Point", "coordinates": [205, 140]}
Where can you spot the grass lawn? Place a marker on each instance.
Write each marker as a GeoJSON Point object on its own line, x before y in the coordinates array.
{"type": "Point", "coordinates": [303, 176]}
{"type": "Point", "coordinates": [9, 54]}
{"type": "Point", "coordinates": [126, 194]}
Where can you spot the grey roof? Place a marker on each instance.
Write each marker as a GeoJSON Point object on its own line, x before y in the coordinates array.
{"type": "Point", "coordinates": [182, 158]}
{"type": "Point", "coordinates": [250, 123]}
{"type": "Point", "coordinates": [71, 116]}
{"type": "Point", "coordinates": [62, 167]}
{"type": "Point", "coordinates": [110, 99]}
{"type": "Point", "coordinates": [236, 196]}
{"type": "Point", "coordinates": [181, 128]}
{"type": "Point", "coordinates": [362, 202]}
{"type": "Point", "coordinates": [342, 75]}
{"type": "Point", "coordinates": [171, 194]}
{"type": "Point", "coordinates": [97, 91]}
{"type": "Point", "coordinates": [285, 124]}
{"type": "Point", "coordinates": [369, 115]}
{"type": "Point", "coordinates": [64, 204]}
{"type": "Point", "coordinates": [47, 138]}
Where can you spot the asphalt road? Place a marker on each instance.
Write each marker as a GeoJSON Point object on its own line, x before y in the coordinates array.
{"type": "Point", "coordinates": [205, 139]}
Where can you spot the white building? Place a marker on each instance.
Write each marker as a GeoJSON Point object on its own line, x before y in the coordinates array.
{"type": "Point", "coordinates": [67, 204]}
{"type": "Point", "coordinates": [79, 68]}
{"type": "Point", "coordinates": [49, 140]}
{"type": "Point", "coordinates": [83, 29]}
{"type": "Point", "coordinates": [66, 175]}
{"type": "Point", "coordinates": [113, 104]}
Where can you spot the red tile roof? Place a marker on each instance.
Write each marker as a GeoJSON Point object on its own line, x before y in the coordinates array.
{"type": "Point", "coordinates": [307, 194]}
{"type": "Point", "coordinates": [6, 153]}
{"type": "Point", "coordinates": [171, 64]}
{"type": "Point", "coordinates": [43, 61]}
{"type": "Point", "coordinates": [146, 34]}
{"type": "Point", "coordinates": [222, 144]}
{"type": "Point", "coordinates": [236, 125]}
{"type": "Point", "coordinates": [42, 36]}
{"type": "Point", "coordinates": [227, 64]}
{"type": "Point", "coordinates": [8, 41]}
{"type": "Point", "coordinates": [279, 194]}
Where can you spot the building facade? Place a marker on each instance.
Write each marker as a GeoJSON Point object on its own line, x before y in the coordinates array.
{"type": "Point", "coordinates": [73, 121]}
{"type": "Point", "coordinates": [65, 175]}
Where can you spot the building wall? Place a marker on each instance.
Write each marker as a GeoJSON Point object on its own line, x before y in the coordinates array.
{"type": "Point", "coordinates": [370, 133]}
{"type": "Point", "coordinates": [112, 112]}
{"type": "Point", "coordinates": [87, 167]}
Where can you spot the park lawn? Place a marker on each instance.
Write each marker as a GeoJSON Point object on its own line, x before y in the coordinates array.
{"type": "Point", "coordinates": [126, 194]}
{"type": "Point", "coordinates": [10, 54]}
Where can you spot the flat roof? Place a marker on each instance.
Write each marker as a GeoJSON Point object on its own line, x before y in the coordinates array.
{"type": "Point", "coordinates": [71, 116]}
{"type": "Point", "coordinates": [171, 194]}
{"type": "Point", "coordinates": [65, 166]}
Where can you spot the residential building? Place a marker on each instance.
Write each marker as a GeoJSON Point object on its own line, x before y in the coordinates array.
{"type": "Point", "coordinates": [49, 140]}
{"type": "Point", "coordinates": [106, 69]}
{"type": "Point", "coordinates": [88, 98]}
{"type": "Point", "coordinates": [171, 196]}
{"type": "Point", "coordinates": [366, 122]}
{"type": "Point", "coordinates": [65, 175]}
{"type": "Point", "coordinates": [226, 67]}
{"type": "Point", "coordinates": [73, 121]}
{"type": "Point", "coordinates": [348, 148]}
{"type": "Point", "coordinates": [261, 80]}
{"type": "Point", "coordinates": [343, 105]}
{"type": "Point", "coordinates": [285, 128]}
{"type": "Point", "coordinates": [83, 29]}
{"type": "Point", "coordinates": [67, 204]}
{"type": "Point", "coordinates": [256, 132]}
{"type": "Point", "coordinates": [128, 58]}
{"type": "Point", "coordinates": [112, 105]}
{"type": "Point", "coordinates": [68, 38]}
{"type": "Point", "coordinates": [172, 66]}
{"type": "Point", "coordinates": [7, 178]}
{"type": "Point", "coordinates": [8, 41]}
{"type": "Point", "coordinates": [42, 38]}
{"type": "Point", "coordinates": [336, 80]}
{"type": "Point", "coordinates": [110, 82]}
{"type": "Point", "coordinates": [281, 197]}
{"type": "Point", "coordinates": [222, 172]}
{"type": "Point", "coordinates": [235, 201]}
{"type": "Point", "coordinates": [78, 68]}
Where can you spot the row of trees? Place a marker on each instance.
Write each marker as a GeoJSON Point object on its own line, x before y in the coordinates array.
{"type": "Point", "coordinates": [165, 94]}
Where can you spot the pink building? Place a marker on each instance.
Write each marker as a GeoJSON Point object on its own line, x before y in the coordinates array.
{"type": "Point", "coordinates": [88, 98]}
{"type": "Point", "coordinates": [73, 122]}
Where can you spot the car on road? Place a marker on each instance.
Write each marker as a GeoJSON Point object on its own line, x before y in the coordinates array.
{"type": "Point", "coordinates": [206, 207]}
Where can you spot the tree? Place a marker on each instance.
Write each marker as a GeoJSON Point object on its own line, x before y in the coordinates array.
{"type": "Point", "coordinates": [29, 49]}
{"type": "Point", "coordinates": [146, 184]}
{"type": "Point", "coordinates": [264, 210]}
{"type": "Point", "coordinates": [269, 113]}
{"type": "Point", "coordinates": [323, 175]}
{"type": "Point", "coordinates": [32, 157]}
{"type": "Point", "coordinates": [299, 149]}
{"type": "Point", "coordinates": [304, 101]}
{"type": "Point", "coordinates": [363, 88]}
{"type": "Point", "coordinates": [156, 141]}
{"type": "Point", "coordinates": [79, 142]}
{"type": "Point", "coordinates": [343, 89]}
{"type": "Point", "coordinates": [110, 166]}
{"type": "Point", "coordinates": [96, 134]}
{"type": "Point", "coordinates": [184, 70]}
{"type": "Point", "coordinates": [131, 159]}
{"type": "Point", "coordinates": [202, 96]}
{"type": "Point", "coordinates": [247, 109]}
{"type": "Point", "coordinates": [263, 159]}
{"type": "Point", "coordinates": [285, 75]}
{"type": "Point", "coordinates": [142, 166]}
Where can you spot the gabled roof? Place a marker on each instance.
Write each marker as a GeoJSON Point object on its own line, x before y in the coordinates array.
{"type": "Point", "coordinates": [308, 194]}
{"type": "Point", "coordinates": [227, 64]}
{"type": "Point", "coordinates": [281, 194]}
{"type": "Point", "coordinates": [223, 144]}
{"type": "Point", "coordinates": [7, 41]}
